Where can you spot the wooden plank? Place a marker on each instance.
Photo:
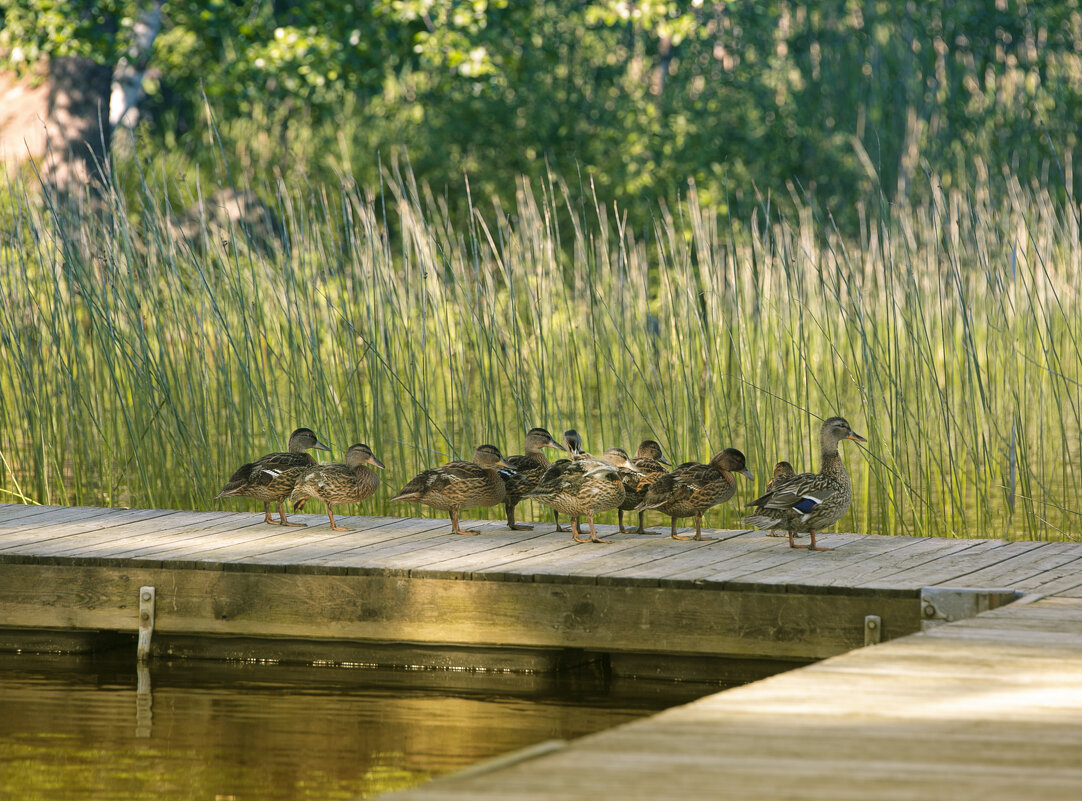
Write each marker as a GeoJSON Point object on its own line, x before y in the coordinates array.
{"type": "Point", "coordinates": [489, 565]}
{"type": "Point", "coordinates": [760, 553]}
{"type": "Point", "coordinates": [52, 523]}
{"type": "Point", "coordinates": [1018, 571]}
{"type": "Point", "coordinates": [577, 562]}
{"type": "Point", "coordinates": [54, 538]}
{"type": "Point", "coordinates": [270, 549]}
{"type": "Point", "coordinates": [846, 565]}
{"type": "Point", "coordinates": [192, 534]}
{"type": "Point", "coordinates": [586, 561]}
{"type": "Point", "coordinates": [11, 513]}
{"type": "Point", "coordinates": [366, 553]}
{"type": "Point", "coordinates": [105, 540]}
{"type": "Point", "coordinates": [923, 551]}
{"type": "Point", "coordinates": [675, 559]}
{"type": "Point", "coordinates": [951, 570]}
{"type": "Point", "coordinates": [433, 611]}
{"type": "Point", "coordinates": [409, 556]}
{"type": "Point", "coordinates": [242, 536]}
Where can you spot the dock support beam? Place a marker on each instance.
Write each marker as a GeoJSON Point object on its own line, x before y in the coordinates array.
{"type": "Point", "coordinates": [146, 623]}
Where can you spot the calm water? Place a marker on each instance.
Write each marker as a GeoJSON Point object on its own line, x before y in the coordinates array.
{"type": "Point", "coordinates": [91, 728]}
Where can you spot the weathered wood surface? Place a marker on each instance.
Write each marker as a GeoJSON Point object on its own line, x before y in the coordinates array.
{"type": "Point", "coordinates": [987, 708]}
{"type": "Point", "coordinates": [424, 548]}
{"type": "Point", "coordinates": [409, 580]}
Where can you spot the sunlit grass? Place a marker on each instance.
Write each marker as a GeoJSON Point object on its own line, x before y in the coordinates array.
{"type": "Point", "coordinates": [140, 368]}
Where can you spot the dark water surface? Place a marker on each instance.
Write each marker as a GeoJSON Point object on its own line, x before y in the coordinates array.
{"type": "Point", "coordinates": [92, 728]}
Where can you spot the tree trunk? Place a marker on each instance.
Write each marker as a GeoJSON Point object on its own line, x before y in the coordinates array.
{"type": "Point", "coordinates": [78, 124]}
{"type": "Point", "coordinates": [127, 89]}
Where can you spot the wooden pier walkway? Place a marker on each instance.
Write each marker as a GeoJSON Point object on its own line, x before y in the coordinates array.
{"type": "Point", "coordinates": [229, 585]}
{"type": "Point", "coordinates": [988, 707]}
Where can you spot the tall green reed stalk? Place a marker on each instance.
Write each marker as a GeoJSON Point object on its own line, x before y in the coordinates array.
{"type": "Point", "coordinates": [143, 362]}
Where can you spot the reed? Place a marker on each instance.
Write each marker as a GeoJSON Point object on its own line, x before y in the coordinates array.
{"type": "Point", "coordinates": [141, 365]}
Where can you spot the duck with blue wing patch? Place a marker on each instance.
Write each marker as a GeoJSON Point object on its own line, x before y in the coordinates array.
{"type": "Point", "coordinates": [809, 502]}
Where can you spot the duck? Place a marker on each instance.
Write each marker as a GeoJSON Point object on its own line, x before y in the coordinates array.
{"type": "Point", "coordinates": [573, 446]}
{"type": "Point", "coordinates": [460, 484]}
{"type": "Point", "coordinates": [271, 477]}
{"type": "Point", "coordinates": [810, 502]}
{"type": "Point", "coordinates": [528, 470]}
{"type": "Point", "coordinates": [782, 471]}
{"type": "Point", "coordinates": [692, 488]}
{"type": "Point", "coordinates": [650, 463]}
{"type": "Point", "coordinates": [335, 483]}
{"type": "Point", "coordinates": [582, 486]}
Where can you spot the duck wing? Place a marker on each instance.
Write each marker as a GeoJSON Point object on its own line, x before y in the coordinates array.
{"type": "Point", "coordinates": [439, 479]}
{"type": "Point", "coordinates": [681, 485]}
{"type": "Point", "coordinates": [800, 494]}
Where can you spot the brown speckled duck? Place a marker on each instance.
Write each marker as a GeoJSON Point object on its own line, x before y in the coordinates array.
{"type": "Point", "coordinates": [809, 502]}
{"type": "Point", "coordinates": [692, 488]}
{"type": "Point", "coordinates": [271, 477]}
{"type": "Point", "coordinates": [335, 483]}
{"type": "Point", "coordinates": [581, 487]}
{"type": "Point", "coordinates": [782, 471]}
{"type": "Point", "coordinates": [529, 468]}
{"type": "Point", "coordinates": [650, 464]}
{"type": "Point", "coordinates": [459, 485]}
{"type": "Point", "coordinates": [573, 446]}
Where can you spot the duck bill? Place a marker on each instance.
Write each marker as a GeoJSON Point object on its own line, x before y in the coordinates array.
{"type": "Point", "coordinates": [856, 437]}
{"type": "Point", "coordinates": [554, 444]}
{"type": "Point", "coordinates": [663, 460]}
{"type": "Point", "coordinates": [502, 463]}
{"type": "Point", "coordinates": [319, 446]}
{"type": "Point", "coordinates": [372, 460]}
{"type": "Point", "coordinates": [747, 474]}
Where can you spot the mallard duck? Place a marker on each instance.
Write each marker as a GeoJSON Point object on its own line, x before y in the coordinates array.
{"type": "Point", "coordinates": [692, 488]}
{"type": "Point", "coordinates": [650, 463]}
{"type": "Point", "coordinates": [573, 446]}
{"type": "Point", "coordinates": [459, 485]}
{"type": "Point", "coordinates": [782, 471]}
{"type": "Point", "coordinates": [809, 502]}
{"type": "Point", "coordinates": [335, 483]}
{"type": "Point", "coordinates": [582, 486]}
{"type": "Point", "coordinates": [270, 478]}
{"type": "Point", "coordinates": [528, 469]}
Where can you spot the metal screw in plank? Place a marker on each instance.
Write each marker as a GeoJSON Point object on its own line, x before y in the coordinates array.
{"type": "Point", "coordinates": [873, 629]}
{"type": "Point", "coordinates": [146, 622]}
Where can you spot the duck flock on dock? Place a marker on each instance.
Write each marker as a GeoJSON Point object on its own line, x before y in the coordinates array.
{"type": "Point", "coordinates": [580, 486]}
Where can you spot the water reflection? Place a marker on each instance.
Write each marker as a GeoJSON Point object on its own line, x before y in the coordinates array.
{"type": "Point", "coordinates": [93, 728]}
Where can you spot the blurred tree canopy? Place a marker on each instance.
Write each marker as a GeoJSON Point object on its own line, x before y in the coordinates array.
{"type": "Point", "coordinates": [825, 99]}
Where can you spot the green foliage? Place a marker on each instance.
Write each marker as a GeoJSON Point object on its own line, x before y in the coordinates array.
{"type": "Point", "coordinates": [751, 102]}
{"type": "Point", "coordinates": [33, 29]}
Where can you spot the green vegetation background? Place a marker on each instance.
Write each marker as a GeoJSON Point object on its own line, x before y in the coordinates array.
{"type": "Point", "coordinates": [702, 222]}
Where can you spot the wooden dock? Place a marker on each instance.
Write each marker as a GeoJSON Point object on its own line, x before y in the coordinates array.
{"type": "Point", "coordinates": [987, 708]}
{"type": "Point", "coordinates": [406, 591]}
